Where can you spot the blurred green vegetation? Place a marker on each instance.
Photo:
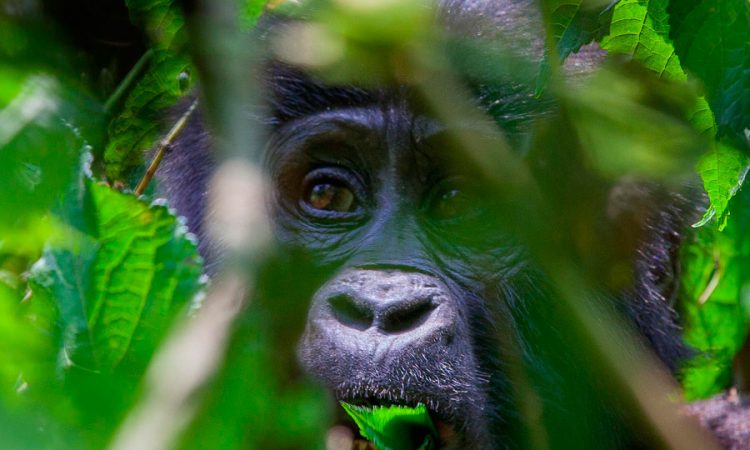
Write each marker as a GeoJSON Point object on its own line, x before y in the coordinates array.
{"type": "Point", "coordinates": [93, 278]}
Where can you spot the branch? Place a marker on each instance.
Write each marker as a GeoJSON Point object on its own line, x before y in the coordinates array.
{"type": "Point", "coordinates": [163, 147]}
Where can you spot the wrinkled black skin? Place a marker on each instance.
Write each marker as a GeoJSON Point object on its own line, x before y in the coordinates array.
{"type": "Point", "coordinates": [393, 154]}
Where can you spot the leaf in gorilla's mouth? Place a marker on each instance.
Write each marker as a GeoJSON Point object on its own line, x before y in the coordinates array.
{"type": "Point", "coordinates": [394, 427]}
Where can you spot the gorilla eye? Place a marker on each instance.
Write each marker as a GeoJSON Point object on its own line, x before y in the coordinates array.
{"type": "Point", "coordinates": [450, 204]}
{"type": "Point", "coordinates": [330, 196]}
{"type": "Point", "coordinates": [331, 192]}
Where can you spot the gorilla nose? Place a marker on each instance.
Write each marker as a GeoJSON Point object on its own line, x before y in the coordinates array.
{"type": "Point", "coordinates": [390, 313]}
{"type": "Point", "coordinates": [389, 303]}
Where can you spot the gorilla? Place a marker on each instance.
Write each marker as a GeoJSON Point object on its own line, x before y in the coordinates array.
{"type": "Point", "coordinates": [430, 298]}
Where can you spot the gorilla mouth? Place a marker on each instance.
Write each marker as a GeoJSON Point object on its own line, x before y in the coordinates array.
{"type": "Point", "coordinates": [442, 420]}
{"type": "Point", "coordinates": [356, 345]}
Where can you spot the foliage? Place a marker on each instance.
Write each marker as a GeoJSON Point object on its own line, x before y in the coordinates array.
{"type": "Point", "coordinates": [710, 39]}
{"type": "Point", "coordinates": [167, 78]}
{"type": "Point", "coordinates": [92, 278]}
{"type": "Point", "coordinates": [716, 272]}
{"type": "Point", "coordinates": [118, 282]}
{"type": "Point", "coordinates": [571, 24]}
{"type": "Point", "coordinates": [662, 35]}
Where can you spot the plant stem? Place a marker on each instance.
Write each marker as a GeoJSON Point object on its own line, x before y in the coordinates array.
{"type": "Point", "coordinates": [163, 147]}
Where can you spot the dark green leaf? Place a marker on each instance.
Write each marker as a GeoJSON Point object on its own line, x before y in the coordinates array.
{"type": "Point", "coordinates": [137, 125]}
{"type": "Point", "coordinates": [713, 41]}
{"type": "Point", "coordinates": [141, 121]}
{"type": "Point", "coordinates": [163, 21]}
{"type": "Point", "coordinates": [572, 24]}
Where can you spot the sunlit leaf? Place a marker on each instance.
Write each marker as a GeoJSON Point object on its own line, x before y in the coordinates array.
{"type": "Point", "coordinates": [119, 285]}
{"type": "Point", "coordinates": [715, 277]}
{"type": "Point", "coordinates": [723, 170]}
{"type": "Point", "coordinates": [395, 427]}
{"type": "Point", "coordinates": [640, 29]}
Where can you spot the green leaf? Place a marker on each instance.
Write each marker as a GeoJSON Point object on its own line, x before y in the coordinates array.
{"type": "Point", "coordinates": [394, 427]}
{"type": "Point", "coordinates": [723, 170]}
{"type": "Point", "coordinates": [120, 284]}
{"type": "Point", "coordinates": [137, 126]}
{"type": "Point", "coordinates": [250, 10]}
{"type": "Point", "coordinates": [258, 400]}
{"type": "Point", "coordinates": [21, 345]}
{"type": "Point", "coordinates": [139, 123]}
{"type": "Point", "coordinates": [713, 41]}
{"type": "Point", "coordinates": [572, 24]}
{"type": "Point", "coordinates": [715, 278]}
{"type": "Point", "coordinates": [48, 119]}
{"type": "Point", "coordinates": [162, 20]}
{"type": "Point", "coordinates": [629, 122]}
{"type": "Point", "coordinates": [640, 29]}
{"type": "Point", "coordinates": [41, 141]}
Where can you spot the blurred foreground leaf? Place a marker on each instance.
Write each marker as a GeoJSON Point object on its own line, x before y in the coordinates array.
{"type": "Point", "coordinates": [631, 122]}
{"type": "Point", "coordinates": [110, 282]}
{"type": "Point", "coordinates": [259, 399]}
{"type": "Point", "coordinates": [20, 345]}
{"type": "Point", "coordinates": [42, 136]}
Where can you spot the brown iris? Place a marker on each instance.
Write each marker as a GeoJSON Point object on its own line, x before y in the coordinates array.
{"type": "Point", "coordinates": [328, 196]}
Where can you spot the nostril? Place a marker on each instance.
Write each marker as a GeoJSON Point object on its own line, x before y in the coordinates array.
{"type": "Point", "coordinates": [406, 316]}
{"type": "Point", "coordinates": [348, 311]}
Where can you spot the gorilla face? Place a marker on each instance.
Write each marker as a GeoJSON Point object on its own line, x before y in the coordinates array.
{"type": "Point", "coordinates": [374, 191]}
{"type": "Point", "coordinates": [431, 299]}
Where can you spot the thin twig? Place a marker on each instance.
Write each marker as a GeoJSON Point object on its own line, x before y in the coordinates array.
{"type": "Point", "coordinates": [163, 146]}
